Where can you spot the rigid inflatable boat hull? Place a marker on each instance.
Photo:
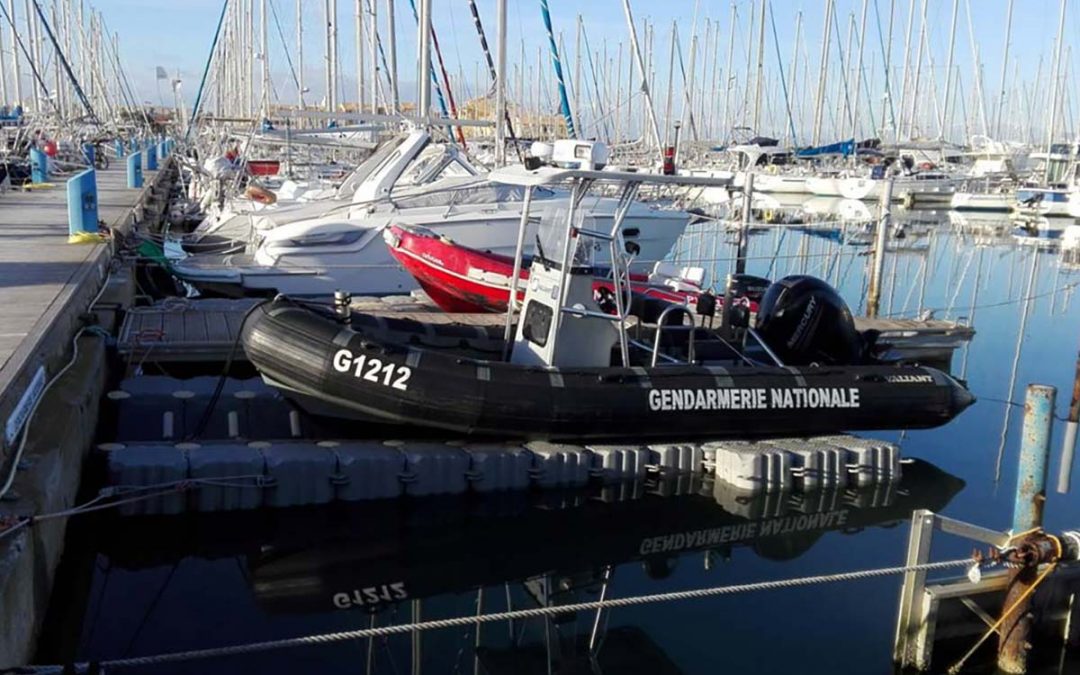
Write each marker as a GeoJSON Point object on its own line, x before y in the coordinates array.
{"type": "Point", "coordinates": [330, 368]}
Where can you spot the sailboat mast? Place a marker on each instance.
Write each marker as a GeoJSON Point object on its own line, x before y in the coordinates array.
{"type": "Point", "coordinates": [942, 127]}
{"type": "Point", "coordinates": [670, 85]}
{"type": "Point", "coordinates": [391, 29]}
{"type": "Point", "coordinates": [3, 76]}
{"type": "Point", "coordinates": [887, 107]}
{"type": "Point", "coordinates": [361, 94]}
{"type": "Point", "coordinates": [424, 47]}
{"type": "Point", "coordinates": [858, 72]}
{"type": "Point", "coordinates": [330, 8]}
{"type": "Point", "coordinates": [300, 54]}
{"type": "Point", "coordinates": [907, 63]}
{"type": "Point", "coordinates": [977, 58]}
{"type": "Point", "coordinates": [795, 59]}
{"type": "Point", "coordinates": [918, 71]}
{"type": "Point", "coordinates": [265, 58]}
{"type": "Point", "coordinates": [1054, 97]}
{"type": "Point", "coordinates": [373, 45]}
{"type": "Point", "coordinates": [649, 109]}
{"type": "Point", "coordinates": [1004, 70]}
{"type": "Point", "coordinates": [760, 77]}
{"type": "Point", "coordinates": [577, 74]}
{"type": "Point", "coordinates": [749, 60]}
{"type": "Point", "coordinates": [728, 71]}
{"type": "Point", "coordinates": [500, 82]}
{"type": "Point", "coordinates": [822, 73]}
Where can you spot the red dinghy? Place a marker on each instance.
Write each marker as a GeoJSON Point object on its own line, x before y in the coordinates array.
{"type": "Point", "coordinates": [462, 279]}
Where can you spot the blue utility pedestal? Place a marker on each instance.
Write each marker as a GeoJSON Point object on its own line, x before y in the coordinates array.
{"type": "Point", "coordinates": [119, 146]}
{"type": "Point", "coordinates": [82, 200]}
{"type": "Point", "coordinates": [134, 170]}
{"type": "Point", "coordinates": [39, 166]}
{"type": "Point", "coordinates": [151, 158]}
{"type": "Point", "coordinates": [90, 153]}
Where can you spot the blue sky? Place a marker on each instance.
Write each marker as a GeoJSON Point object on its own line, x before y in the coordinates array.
{"type": "Point", "coordinates": [176, 34]}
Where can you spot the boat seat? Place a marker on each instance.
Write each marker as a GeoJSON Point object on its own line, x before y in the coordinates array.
{"type": "Point", "coordinates": [648, 309]}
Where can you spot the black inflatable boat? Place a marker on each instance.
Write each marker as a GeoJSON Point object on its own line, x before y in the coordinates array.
{"type": "Point", "coordinates": [407, 372]}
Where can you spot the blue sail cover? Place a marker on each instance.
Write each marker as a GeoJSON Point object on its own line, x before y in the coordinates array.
{"type": "Point", "coordinates": [840, 148]}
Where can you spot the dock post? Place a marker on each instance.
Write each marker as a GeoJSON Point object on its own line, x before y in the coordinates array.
{"type": "Point", "coordinates": [744, 227]}
{"type": "Point", "coordinates": [118, 146]}
{"type": "Point", "coordinates": [133, 145]}
{"type": "Point", "coordinates": [1068, 443]}
{"type": "Point", "coordinates": [151, 157]}
{"type": "Point", "coordinates": [82, 202]}
{"type": "Point", "coordinates": [134, 170]}
{"type": "Point", "coordinates": [1034, 457]}
{"type": "Point", "coordinates": [1030, 496]}
{"type": "Point", "coordinates": [873, 301]}
{"type": "Point", "coordinates": [909, 646]}
{"type": "Point", "coordinates": [39, 166]}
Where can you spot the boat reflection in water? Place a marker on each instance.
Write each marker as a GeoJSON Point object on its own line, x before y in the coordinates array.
{"type": "Point", "coordinates": [376, 564]}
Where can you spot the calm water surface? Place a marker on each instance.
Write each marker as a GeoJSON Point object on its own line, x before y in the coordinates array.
{"type": "Point", "coordinates": [133, 587]}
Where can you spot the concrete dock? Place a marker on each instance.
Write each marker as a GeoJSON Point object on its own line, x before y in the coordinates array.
{"type": "Point", "coordinates": [46, 288]}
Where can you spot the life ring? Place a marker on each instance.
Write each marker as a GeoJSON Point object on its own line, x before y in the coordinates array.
{"type": "Point", "coordinates": [260, 194]}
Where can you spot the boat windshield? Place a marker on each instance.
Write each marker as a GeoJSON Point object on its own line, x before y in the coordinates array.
{"type": "Point", "coordinates": [368, 166]}
{"type": "Point", "coordinates": [551, 238]}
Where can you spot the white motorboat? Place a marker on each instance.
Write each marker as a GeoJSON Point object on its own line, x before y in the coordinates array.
{"type": "Point", "coordinates": [989, 193]}
{"type": "Point", "coordinates": [917, 187]}
{"type": "Point", "coordinates": [1048, 202]}
{"type": "Point", "coordinates": [419, 182]}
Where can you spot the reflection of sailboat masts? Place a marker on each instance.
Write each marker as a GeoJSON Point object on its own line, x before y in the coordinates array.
{"type": "Point", "coordinates": [926, 271]}
{"type": "Point", "coordinates": [1016, 361]}
{"type": "Point", "coordinates": [971, 313]}
{"type": "Point", "coordinates": [605, 583]}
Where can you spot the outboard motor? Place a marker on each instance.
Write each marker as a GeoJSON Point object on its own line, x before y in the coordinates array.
{"type": "Point", "coordinates": [804, 320]}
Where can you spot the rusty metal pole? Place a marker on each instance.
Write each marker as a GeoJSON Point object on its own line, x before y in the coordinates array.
{"type": "Point", "coordinates": [873, 300]}
{"type": "Point", "coordinates": [1068, 443]}
{"type": "Point", "coordinates": [1013, 645]}
{"type": "Point", "coordinates": [1034, 457]}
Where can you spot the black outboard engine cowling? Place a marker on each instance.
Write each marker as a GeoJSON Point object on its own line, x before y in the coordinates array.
{"type": "Point", "coordinates": [804, 320]}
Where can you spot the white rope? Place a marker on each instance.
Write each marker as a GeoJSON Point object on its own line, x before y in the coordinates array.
{"type": "Point", "coordinates": [17, 458]}
{"type": "Point", "coordinates": [345, 636]}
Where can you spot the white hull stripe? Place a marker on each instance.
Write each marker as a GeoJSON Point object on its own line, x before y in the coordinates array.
{"type": "Point", "coordinates": [341, 339]}
{"type": "Point", "coordinates": [643, 377]}
{"type": "Point", "coordinates": [721, 376]}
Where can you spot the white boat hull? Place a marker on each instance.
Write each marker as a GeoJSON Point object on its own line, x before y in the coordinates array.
{"type": "Point", "coordinates": [982, 201]}
{"type": "Point", "coordinates": [355, 258]}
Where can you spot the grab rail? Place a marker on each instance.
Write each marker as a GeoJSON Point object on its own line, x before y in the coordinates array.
{"type": "Point", "coordinates": [660, 329]}
{"type": "Point", "coordinates": [772, 355]}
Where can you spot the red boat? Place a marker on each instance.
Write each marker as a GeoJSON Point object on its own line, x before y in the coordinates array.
{"type": "Point", "coordinates": [461, 279]}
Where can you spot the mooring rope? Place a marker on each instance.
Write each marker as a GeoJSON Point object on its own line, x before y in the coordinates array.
{"type": "Point", "coordinates": [537, 612]}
